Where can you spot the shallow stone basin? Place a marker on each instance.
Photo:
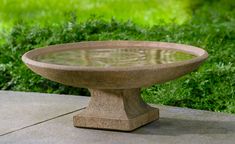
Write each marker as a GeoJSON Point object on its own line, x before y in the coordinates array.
{"type": "Point", "coordinates": [114, 72]}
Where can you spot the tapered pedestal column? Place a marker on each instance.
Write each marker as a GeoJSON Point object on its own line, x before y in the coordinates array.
{"type": "Point", "coordinates": [116, 109]}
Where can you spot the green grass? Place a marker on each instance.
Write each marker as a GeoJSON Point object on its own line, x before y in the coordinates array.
{"type": "Point", "coordinates": [211, 26]}
{"type": "Point", "coordinates": [53, 11]}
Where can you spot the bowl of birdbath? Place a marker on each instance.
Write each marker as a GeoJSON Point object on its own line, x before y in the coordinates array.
{"type": "Point", "coordinates": [114, 72]}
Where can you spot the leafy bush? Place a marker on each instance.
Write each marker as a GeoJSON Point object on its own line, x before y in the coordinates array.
{"type": "Point", "coordinates": [211, 87]}
{"type": "Point", "coordinates": [142, 12]}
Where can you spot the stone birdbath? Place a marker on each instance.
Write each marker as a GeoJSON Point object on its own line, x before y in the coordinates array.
{"type": "Point", "coordinates": [114, 72]}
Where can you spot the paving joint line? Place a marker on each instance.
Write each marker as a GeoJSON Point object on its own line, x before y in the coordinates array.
{"type": "Point", "coordinates": [16, 130]}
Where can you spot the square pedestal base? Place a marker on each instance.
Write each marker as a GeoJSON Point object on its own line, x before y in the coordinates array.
{"type": "Point", "coordinates": [81, 120]}
{"type": "Point", "coordinates": [117, 109]}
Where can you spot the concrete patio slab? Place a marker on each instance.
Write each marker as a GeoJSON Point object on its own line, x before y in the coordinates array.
{"type": "Point", "coordinates": [176, 125]}
{"type": "Point", "coordinates": [20, 109]}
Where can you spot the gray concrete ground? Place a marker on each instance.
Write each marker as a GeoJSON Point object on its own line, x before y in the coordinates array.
{"type": "Point", "coordinates": [27, 118]}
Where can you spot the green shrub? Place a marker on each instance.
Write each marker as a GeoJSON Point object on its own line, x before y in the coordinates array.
{"type": "Point", "coordinates": [211, 87]}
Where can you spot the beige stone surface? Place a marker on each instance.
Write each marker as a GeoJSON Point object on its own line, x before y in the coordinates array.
{"type": "Point", "coordinates": [175, 126]}
{"type": "Point", "coordinates": [21, 109]}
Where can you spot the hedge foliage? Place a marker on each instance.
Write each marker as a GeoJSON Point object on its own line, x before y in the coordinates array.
{"type": "Point", "coordinates": [212, 27]}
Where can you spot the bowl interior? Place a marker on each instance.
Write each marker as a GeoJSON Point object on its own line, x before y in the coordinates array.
{"type": "Point", "coordinates": [114, 54]}
{"type": "Point", "coordinates": [114, 57]}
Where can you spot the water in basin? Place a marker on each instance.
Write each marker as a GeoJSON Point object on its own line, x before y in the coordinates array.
{"type": "Point", "coordinates": [114, 57]}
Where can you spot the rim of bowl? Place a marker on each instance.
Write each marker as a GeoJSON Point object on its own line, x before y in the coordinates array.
{"type": "Point", "coordinates": [200, 54]}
